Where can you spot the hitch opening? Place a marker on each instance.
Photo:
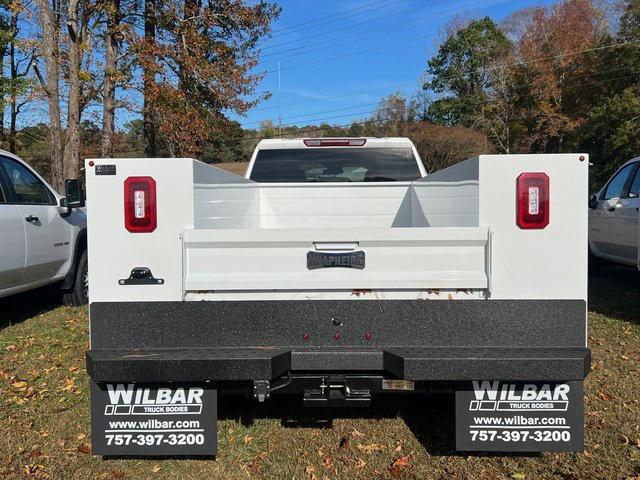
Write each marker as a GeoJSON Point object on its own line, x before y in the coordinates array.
{"type": "Point", "coordinates": [336, 392]}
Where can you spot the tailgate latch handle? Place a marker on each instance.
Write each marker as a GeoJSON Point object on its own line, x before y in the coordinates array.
{"type": "Point", "coordinates": [141, 276]}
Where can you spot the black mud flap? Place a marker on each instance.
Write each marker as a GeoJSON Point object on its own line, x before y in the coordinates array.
{"type": "Point", "coordinates": [138, 420]}
{"type": "Point", "coordinates": [493, 416]}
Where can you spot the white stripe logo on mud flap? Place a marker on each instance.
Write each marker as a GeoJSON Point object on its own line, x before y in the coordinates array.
{"type": "Point", "coordinates": [495, 395]}
{"type": "Point", "coordinates": [127, 399]}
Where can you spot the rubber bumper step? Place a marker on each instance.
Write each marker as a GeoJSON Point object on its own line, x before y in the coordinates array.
{"type": "Point", "coordinates": [495, 363]}
{"type": "Point", "coordinates": [188, 365]}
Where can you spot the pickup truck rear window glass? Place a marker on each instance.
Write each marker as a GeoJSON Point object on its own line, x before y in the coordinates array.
{"type": "Point", "coordinates": [335, 165]}
{"type": "Point", "coordinates": [28, 189]}
{"type": "Point", "coordinates": [615, 188]}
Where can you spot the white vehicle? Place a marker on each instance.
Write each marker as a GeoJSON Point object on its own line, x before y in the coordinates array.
{"type": "Point", "coordinates": [613, 217]}
{"type": "Point", "coordinates": [42, 235]}
{"type": "Point", "coordinates": [336, 269]}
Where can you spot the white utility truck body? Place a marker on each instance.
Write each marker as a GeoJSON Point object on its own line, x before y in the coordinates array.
{"type": "Point", "coordinates": [339, 289]}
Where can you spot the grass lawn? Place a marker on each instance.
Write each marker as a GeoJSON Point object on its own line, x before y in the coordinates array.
{"type": "Point", "coordinates": [44, 413]}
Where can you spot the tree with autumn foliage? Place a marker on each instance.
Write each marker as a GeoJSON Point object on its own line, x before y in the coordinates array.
{"type": "Point", "coordinates": [611, 130]}
{"type": "Point", "coordinates": [189, 63]}
{"type": "Point", "coordinates": [548, 79]}
{"type": "Point", "coordinates": [553, 64]}
{"type": "Point", "coordinates": [197, 62]}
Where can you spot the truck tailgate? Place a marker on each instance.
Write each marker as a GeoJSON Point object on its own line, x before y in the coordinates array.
{"type": "Point", "coordinates": [395, 258]}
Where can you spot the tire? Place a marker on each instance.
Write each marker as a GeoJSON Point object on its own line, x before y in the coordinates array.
{"type": "Point", "coordinates": [79, 294]}
{"type": "Point", "coordinates": [595, 264]}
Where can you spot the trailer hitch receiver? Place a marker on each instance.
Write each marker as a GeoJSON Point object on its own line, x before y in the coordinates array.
{"type": "Point", "coordinates": [336, 392]}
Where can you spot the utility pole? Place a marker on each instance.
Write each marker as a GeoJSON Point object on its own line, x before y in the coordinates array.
{"type": "Point", "coordinates": [279, 103]}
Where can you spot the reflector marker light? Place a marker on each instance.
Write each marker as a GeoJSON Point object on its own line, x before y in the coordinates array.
{"type": "Point", "coordinates": [140, 214]}
{"type": "Point", "coordinates": [335, 142]}
{"type": "Point", "coordinates": [532, 200]}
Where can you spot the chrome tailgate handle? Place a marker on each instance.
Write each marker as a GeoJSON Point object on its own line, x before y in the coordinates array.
{"type": "Point", "coordinates": [336, 246]}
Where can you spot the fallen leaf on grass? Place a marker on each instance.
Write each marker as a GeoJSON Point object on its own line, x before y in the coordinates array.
{"type": "Point", "coordinates": [360, 463]}
{"type": "Point", "coordinates": [34, 453]}
{"type": "Point", "coordinates": [356, 433]}
{"type": "Point", "coordinates": [156, 469]}
{"type": "Point", "coordinates": [518, 476]}
{"type": "Point", "coordinates": [257, 461]}
{"type": "Point", "coordinates": [69, 385]}
{"type": "Point", "coordinates": [84, 448]}
{"type": "Point", "coordinates": [247, 438]}
{"type": "Point", "coordinates": [31, 470]}
{"type": "Point", "coordinates": [401, 462]}
{"type": "Point", "coordinates": [399, 465]}
{"type": "Point", "coordinates": [80, 436]}
{"type": "Point", "coordinates": [12, 348]}
{"type": "Point", "coordinates": [310, 472]}
{"type": "Point", "coordinates": [118, 473]}
{"type": "Point", "coordinates": [20, 385]}
{"type": "Point", "coordinates": [374, 447]}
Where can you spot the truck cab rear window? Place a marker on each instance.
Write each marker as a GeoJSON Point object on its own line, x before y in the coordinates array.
{"type": "Point", "coordinates": [335, 165]}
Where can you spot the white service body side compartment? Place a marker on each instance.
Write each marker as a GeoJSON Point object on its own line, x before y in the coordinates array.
{"type": "Point", "coordinates": [114, 251]}
{"type": "Point", "coordinates": [550, 263]}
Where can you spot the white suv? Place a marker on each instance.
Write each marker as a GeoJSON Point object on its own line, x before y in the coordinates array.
{"type": "Point", "coordinates": [42, 235]}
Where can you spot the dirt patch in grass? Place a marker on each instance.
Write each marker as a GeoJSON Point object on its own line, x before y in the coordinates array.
{"type": "Point", "coordinates": [44, 415]}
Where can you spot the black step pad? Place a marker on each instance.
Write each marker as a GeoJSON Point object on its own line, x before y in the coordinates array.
{"type": "Point", "coordinates": [496, 363]}
{"type": "Point", "coordinates": [188, 364]}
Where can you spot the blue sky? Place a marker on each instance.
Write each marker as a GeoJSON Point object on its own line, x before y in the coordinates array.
{"type": "Point", "coordinates": [339, 57]}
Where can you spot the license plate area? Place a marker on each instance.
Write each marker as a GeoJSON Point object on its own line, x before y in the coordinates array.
{"type": "Point", "coordinates": [316, 260]}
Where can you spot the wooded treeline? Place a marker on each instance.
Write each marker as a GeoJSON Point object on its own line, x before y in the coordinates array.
{"type": "Point", "coordinates": [181, 66]}
{"type": "Point", "coordinates": [546, 79]}
{"type": "Point", "coordinates": [559, 79]}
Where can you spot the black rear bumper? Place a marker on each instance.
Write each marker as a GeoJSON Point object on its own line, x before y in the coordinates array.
{"type": "Point", "coordinates": [409, 363]}
{"type": "Point", "coordinates": [417, 340]}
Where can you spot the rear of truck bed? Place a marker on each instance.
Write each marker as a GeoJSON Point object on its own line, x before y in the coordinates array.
{"type": "Point", "coordinates": [339, 291]}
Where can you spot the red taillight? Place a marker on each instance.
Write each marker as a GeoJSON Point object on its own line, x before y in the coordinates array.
{"type": "Point", "coordinates": [532, 200]}
{"type": "Point", "coordinates": [140, 204]}
{"type": "Point", "coordinates": [335, 142]}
